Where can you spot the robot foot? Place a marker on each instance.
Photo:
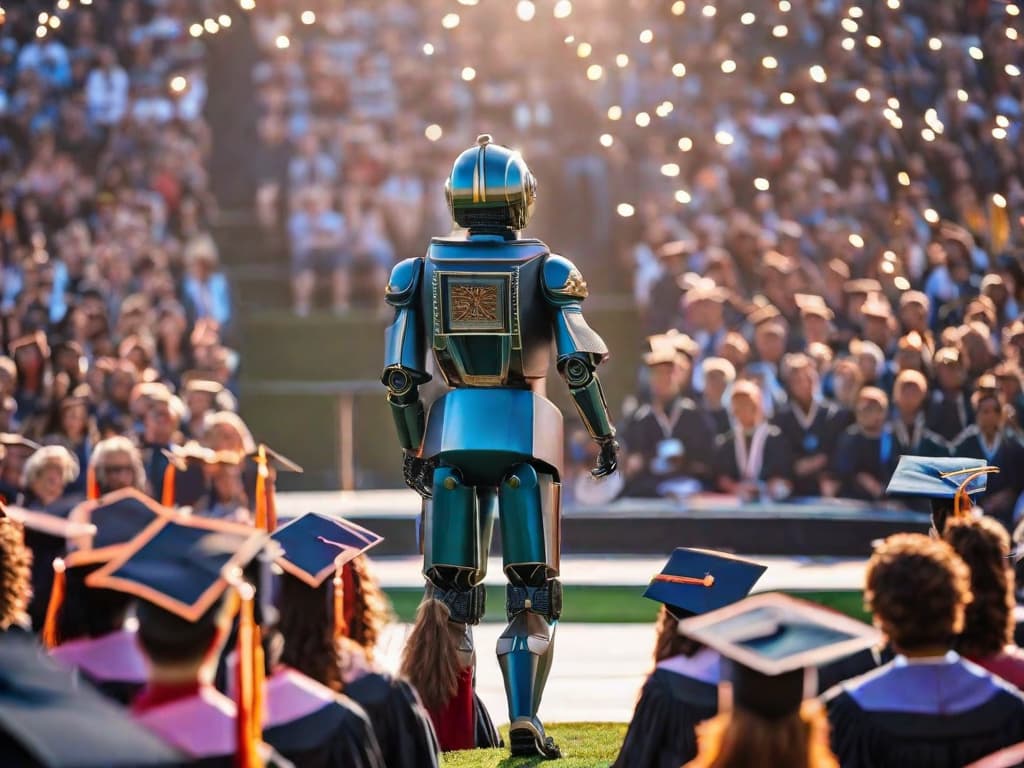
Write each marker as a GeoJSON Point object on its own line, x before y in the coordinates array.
{"type": "Point", "coordinates": [527, 738]}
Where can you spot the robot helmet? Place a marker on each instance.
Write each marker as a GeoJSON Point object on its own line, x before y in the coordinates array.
{"type": "Point", "coordinates": [490, 188]}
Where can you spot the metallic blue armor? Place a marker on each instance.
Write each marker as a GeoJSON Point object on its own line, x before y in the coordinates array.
{"type": "Point", "coordinates": [490, 308]}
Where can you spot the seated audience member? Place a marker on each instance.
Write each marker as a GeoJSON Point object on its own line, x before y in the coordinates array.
{"type": "Point", "coordinates": [225, 496]}
{"type": "Point", "coordinates": [989, 439]}
{"type": "Point", "coordinates": [718, 377]}
{"type": "Point", "coordinates": [987, 636]}
{"type": "Point", "coordinates": [116, 463]}
{"type": "Point", "coordinates": [182, 644]}
{"type": "Point", "coordinates": [682, 690]}
{"type": "Point", "coordinates": [49, 718]}
{"type": "Point", "coordinates": [661, 436]}
{"type": "Point", "coordinates": [753, 453]}
{"type": "Point", "coordinates": [808, 425]}
{"type": "Point", "coordinates": [16, 451]}
{"type": "Point", "coordinates": [863, 454]}
{"type": "Point", "coordinates": [949, 411]}
{"type": "Point", "coordinates": [928, 707]}
{"type": "Point", "coordinates": [909, 432]}
{"type": "Point", "coordinates": [846, 383]}
{"type": "Point", "coordinates": [316, 639]}
{"type": "Point", "coordinates": [159, 432]}
{"type": "Point", "coordinates": [770, 642]}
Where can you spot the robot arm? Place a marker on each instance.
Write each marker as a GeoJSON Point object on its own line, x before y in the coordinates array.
{"type": "Point", "coordinates": [405, 353]}
{"type": "Point", "coordinates": [579, 351]}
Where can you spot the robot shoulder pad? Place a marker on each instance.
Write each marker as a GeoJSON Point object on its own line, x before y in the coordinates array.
{"type": "Point", "coordinates": [563, 283]}
{"type": "Point", "coordinates": [404, 280]}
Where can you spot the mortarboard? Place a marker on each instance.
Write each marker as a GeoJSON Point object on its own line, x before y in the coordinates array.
{"type": "Point", "coordinates": [278, 460]}
{"type": "Point", "coordinates": [948, 482]}
{"type": "Point", "coordinates": [696, 581]}
{"type": "Point", "coordinates": [181, 564]}
{"type": "Point", "coordinates": [770, 641]}
{"type": "Point", "coordinates": [315, 545]}
{"type": "Point", "coordinates": [49, 719]}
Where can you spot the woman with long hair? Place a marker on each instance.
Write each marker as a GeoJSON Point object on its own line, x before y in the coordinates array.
{"type": "Point", "coordinates": [72, 425]}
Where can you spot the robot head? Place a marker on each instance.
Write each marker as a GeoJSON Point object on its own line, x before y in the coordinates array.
{"type": "Point", "coordinates": [490, 188]}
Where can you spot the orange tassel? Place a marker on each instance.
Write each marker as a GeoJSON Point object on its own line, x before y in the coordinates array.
{"type": "Point", "coordinates": [50, 634]}
{"type": "Point", "coordinates": [704, 581]}
{"type": "Point", "coordinates": [340, 625]}
{"type": "Point", "coordinates": [92, 487]}
{"type": "Point", "coordinates": [271, 504]}
{"type": "Point", "coordinates": [167, 496]}
{"type": "Point", "coordinates": [260, 510]}
{"type": "Point", "coordinates": [962, 503]}
{"type": "Point", "coordinates": [248, 693]}
{"type": "Point", "coordinates": [349, 585]}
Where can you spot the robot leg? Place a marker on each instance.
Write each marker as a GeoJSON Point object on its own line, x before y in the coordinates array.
{"type": "Point", "coordinates": [529, 514]}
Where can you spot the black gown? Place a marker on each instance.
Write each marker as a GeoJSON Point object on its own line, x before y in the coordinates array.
{"type": "Point", "coordinates": [1009, 457]}
{"type": "Point", "coordinates": [857, 453]}
{"type": "Point", "coordinates": [402, 725]}
{"type": "Point", "coordinates": [926, 714]}
{"type": "Point", "coordinates": [819, 436]}
{"type": "Point", "coordinates": [48, 718]}
{"type": "Point", "coordinates": [646, 429]}
{"type": "Point", "coordinates": [312, 726]}
{"type": "Point", "coordinates": [680, 693]}
{"type": "Point", "coordinates": [776, 463]}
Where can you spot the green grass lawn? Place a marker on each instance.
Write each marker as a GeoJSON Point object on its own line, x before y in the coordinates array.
{"type": "Point", "coordinates": [583, 745]}
{"type": "Point", "coordinates": [602, 605]}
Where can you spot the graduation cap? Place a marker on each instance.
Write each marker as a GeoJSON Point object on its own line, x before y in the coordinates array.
{"type": "Point", "coordinates": [696, 581]}
{"type": "Point", "coordinates": [181, 564]}
{"type": "Point", "coordinates": [277, 460]}
{"type": "Point", "coordinates": [315, 546]}
{"type": "Point", "coordinates": [948, 482]}
{"type": "Point", "coordinates": [101, 529]}
{"type": "Point", "coordinates": [47, 718]}
{"type": "Point", "coordinates": [770, 641]}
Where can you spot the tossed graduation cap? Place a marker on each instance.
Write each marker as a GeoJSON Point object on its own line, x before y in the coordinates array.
{"type": "Point", "coordinates": [696, 581]}
{"type": "Point", "coordinates": [315, 546]}
{"type": "Point", "coordinates": [277, 460]}
{"type": "Point", "coordinates": [49, 719]}
{"type": "Point", "coordinates": [182, 564]}
{"type": "Point", "coordinates": [770, 641]}
{"type": "Point", "coordinates": [116, 519]}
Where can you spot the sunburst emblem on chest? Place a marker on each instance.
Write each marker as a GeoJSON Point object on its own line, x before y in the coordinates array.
{"type": "Point", "coordinates": [474, 303]}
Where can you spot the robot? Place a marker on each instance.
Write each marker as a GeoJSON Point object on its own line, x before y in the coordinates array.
{"type": "Point", "coordinates": [489, 308]}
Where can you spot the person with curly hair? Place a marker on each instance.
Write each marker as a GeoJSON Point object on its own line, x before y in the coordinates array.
{"type": "Point", "coordinates": [987, 637]}
{"type": "Point", "coordinates": [15, 575]}
{"type": "Point", "coordinates": [928, 707]}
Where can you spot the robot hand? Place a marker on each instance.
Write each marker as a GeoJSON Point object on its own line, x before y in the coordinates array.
{"type": "Point", "coordinates": [608, 459]}
{"type": "Point", "coordinates": [419, 474]}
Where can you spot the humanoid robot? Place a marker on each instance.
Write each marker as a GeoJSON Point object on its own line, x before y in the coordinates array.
{"type": "Point", "coordinates": [489, 307]}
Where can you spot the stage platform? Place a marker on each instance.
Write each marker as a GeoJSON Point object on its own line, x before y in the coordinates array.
{"type": "Point", "coordinates": [647, 527]}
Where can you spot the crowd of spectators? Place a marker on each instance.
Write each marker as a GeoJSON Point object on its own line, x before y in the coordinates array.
{"type": "Point", "coordinates": [115, 313]}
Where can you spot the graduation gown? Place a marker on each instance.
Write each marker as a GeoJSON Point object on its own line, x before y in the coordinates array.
{"type": "Point", "coordinates": [202, 726]}
{"type": "Point", "coordinates": [775, 462]}
{"type": "Point", "coordinates": [815, 432]}
{"type": "Point", "coordinates": [857, 453]}
{"type": "Point", "coordinates": [404, 731]}
{"type": "Point", "coordinates": [646, 429]}
{"type": "Point", "coordinates": [680, 693]}
{"type": "Point", "coordinates": [113, 663]}
{"type": "Point", "coordinates": [314, 727]}
{"type": "Point", "coordinates": [935, 713]}
{"type": "Point", "coordinates": [949, 416]}
{"type": "Point", "coordinates": [49, 719]}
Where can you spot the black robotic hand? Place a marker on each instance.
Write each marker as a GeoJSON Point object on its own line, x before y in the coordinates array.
{"type": "Point", "coordinates": [419, 474]}
{"type": "Point", "coordinates": [608, 459]}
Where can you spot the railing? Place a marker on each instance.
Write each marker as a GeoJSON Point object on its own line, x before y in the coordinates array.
{"type": "Point", "coordinates": [345, 392]}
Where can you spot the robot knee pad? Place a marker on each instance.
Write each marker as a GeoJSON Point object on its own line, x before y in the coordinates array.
{"type": "Point", "coordinates": [544, 599]}
{"type": "Point", "coordinates": [465, 604]}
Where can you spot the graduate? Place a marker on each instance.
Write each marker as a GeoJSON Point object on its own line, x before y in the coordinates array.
{"type": "Point", "coordinates": [316, 642]}
{"type": "Point", "coordinates": [87, 629]}
{"type": "Point", "coordinates": [928, 707]}
{"type": "Point", "coordinates": [989, 439]}
{"type": "Point", "coordinates": [753, 454]}
{"type": "Point", "coordinates": [48, 719]}
{"type": "Point", "coordinates": [987, 637]}
{"type": "Point", "coordinates": [808, 423]}
{"type": "Point", "coordinates": [949, 411]}
{"type": "Point", "coordinates": [910, 434]}
{"type": "Point", "coordinates": [864, 454]}
{"type": "Point", "coordinates": [773, 644]}
{"type": "Point", "coordinates": [683, 688]}
{"type": "Point", "coordinates": [661, 437]}
{"type": "Point", "coordinates": [186, 574]}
